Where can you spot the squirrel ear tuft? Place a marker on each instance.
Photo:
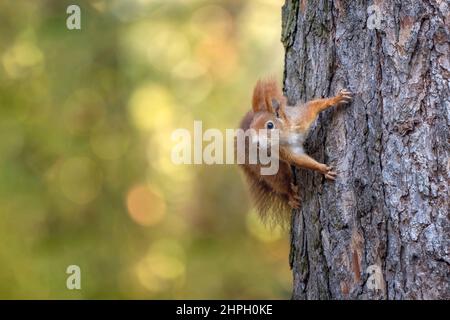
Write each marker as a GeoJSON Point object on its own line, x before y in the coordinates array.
{"type": "Point", "coordinates": [275, 104]}
{"type": "Point", "coordinates": [258, 101]}
{"type": "Point", "coordinates": [267, 96]}
{"type": "Point", "coordinates": [276, 107]}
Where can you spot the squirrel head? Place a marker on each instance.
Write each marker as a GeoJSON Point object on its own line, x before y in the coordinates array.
{"type": "Point", "coordinates": [268, 106]}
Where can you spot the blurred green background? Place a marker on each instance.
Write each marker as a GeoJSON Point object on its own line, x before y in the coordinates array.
{"type": "Point", "coordinates": [86, 177]}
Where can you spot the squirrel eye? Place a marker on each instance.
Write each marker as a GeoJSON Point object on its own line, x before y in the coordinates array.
{"type": "Point", "coordinates": [270, 125]}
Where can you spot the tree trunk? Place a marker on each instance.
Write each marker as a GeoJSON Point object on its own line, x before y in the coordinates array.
{"type": "Point", "coordinates": [381, 230]}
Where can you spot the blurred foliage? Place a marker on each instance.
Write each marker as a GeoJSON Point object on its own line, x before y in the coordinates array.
{"type": "Point", "coordinates": [85, 172]}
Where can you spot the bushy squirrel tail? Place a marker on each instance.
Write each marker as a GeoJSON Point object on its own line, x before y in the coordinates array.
{"type": "Point", "coordinates": [273, 208]}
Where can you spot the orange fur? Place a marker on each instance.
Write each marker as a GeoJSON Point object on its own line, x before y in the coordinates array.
{"type": "Point", "coordinates": [265, 94]}
{"type": "Point", "coordinates": [273, 194]}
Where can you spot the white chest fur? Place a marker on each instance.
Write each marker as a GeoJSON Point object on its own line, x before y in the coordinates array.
{"type": "Point", "coordinates": [295, 142]}
{"type": "Point", "coordinates": [296, 139]}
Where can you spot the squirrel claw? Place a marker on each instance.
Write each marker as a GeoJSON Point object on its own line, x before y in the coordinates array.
{"type": "Point", "coordinates": [329, 173]}
{"type": "Point", "coordinates": [294, 188]}
{"type": "Point", "coordinates": [294, 202]}
{"type": "Point", "coordinates": [344, 96]}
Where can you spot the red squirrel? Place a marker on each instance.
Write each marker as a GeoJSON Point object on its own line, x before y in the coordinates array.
{"type": "Point", "coordinates": [276, 193]}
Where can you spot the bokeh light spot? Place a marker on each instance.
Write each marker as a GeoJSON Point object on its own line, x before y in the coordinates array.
{"type": "Point", "coordinates": [150, 107]}
{"type": "Point", "coordinates": [145, 205]}
{"type": "Point", "coordinates": [163, 266]}
{"type": "Point", "coordinates": [21, 56]}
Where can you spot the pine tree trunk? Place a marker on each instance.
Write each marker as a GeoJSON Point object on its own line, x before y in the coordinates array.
{"type": "Point", "coordinates": [381, 231]}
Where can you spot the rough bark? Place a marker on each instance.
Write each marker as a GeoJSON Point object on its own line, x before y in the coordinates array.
{"type": "Point", "coordinates": [389, 208]}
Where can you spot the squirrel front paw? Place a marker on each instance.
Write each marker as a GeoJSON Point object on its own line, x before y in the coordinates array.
{"type": "Point", "coordinates": [328, 172]}
{"type": "Point", "coordinates": [344, 96]}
